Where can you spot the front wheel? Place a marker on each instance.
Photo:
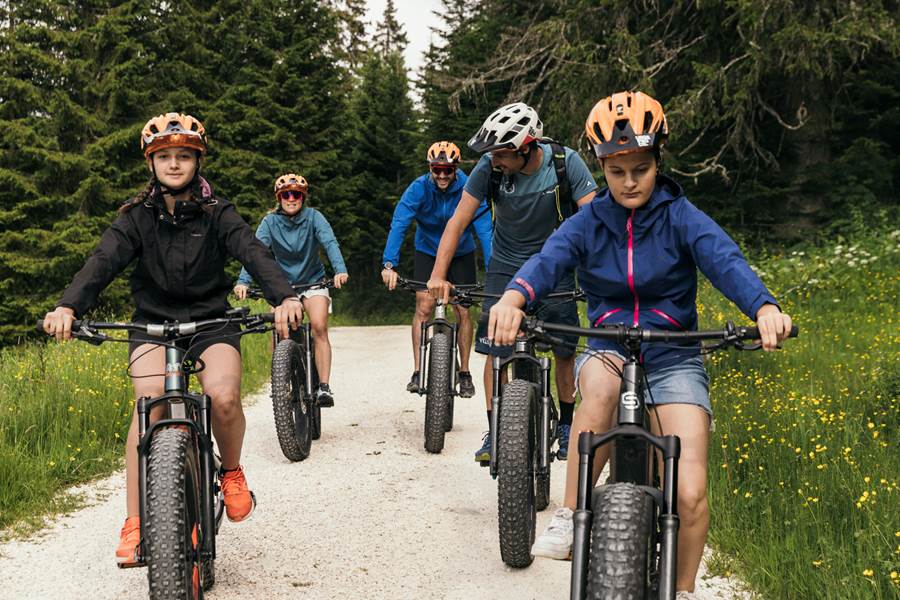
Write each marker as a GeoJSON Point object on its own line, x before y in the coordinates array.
{"type": "Point", "coordinates": [173, 528]}
{"type": "Point", "coordinates": [515, 473]}
{"type": "Point", "coordinates": [292, 415]}
{"type": "Point", "coordinates": [437, 400]}
{"type": "Point", "coordinates": [621, 543]}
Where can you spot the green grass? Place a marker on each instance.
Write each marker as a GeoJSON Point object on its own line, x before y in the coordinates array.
{"type": "Point", "coordinates": [64, 414]}
{"type": "Point", "coordinates": [804, 464]}
{"type": "Point", "coordinates": [65, 411]}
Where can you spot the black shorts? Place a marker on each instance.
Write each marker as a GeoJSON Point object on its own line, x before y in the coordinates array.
{"type": "Point", "coordinates": [461, 272]}
{"type": "Point", "coordinates": [553, 311]}
{"type": "Point", "coordinates": [198, 343]}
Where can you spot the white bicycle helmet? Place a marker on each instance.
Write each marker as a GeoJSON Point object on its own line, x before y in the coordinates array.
{"type": "Point", "coordinates": [512, 126]}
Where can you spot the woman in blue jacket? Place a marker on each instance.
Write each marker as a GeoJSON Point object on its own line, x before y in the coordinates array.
{"type": "Point", "coordinates": [295, 234]}
{"type": "Point", "coordinates": [637, 248]}
{"type": "Point", "coordinates": [431, 200]}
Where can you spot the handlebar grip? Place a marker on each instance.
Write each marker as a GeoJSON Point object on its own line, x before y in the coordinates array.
{"type": "Point", "coordinates": [268, 317]}
{"type": "Point", "coordinates": [39, 326]}
{"type": "Point", "coordinates": [753, 332]}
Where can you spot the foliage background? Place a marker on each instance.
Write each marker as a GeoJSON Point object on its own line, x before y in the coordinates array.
{"type": "Point", "coordinates": [785, 120]}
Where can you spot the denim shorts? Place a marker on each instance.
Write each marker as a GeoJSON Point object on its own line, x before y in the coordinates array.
{"type": "Point", "coordinates": [684, 383]}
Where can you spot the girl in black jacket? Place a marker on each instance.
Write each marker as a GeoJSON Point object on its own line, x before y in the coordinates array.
{"type": "Point", "coordinates": [181, 235]}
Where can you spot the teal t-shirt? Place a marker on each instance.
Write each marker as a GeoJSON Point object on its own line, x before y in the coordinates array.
{"type": "Point", "coordinates": [525, 210]}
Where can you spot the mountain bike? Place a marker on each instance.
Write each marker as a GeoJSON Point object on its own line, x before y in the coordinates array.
{"type": "Point", "coordinates": [626, 531]}
{"type": "Point", "coordinates": [524, 422]}
{"type": "Point", "coordinates": [295, 379]}
{"type": "Point", "coordinates": [438, 367]}
{"type": "Point", "coordinates": [181, 505]}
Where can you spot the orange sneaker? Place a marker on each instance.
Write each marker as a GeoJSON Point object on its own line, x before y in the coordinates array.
{"type": "Point", "coordinates": [239, 500]}
{"type": "Point", "coordinates": [129, 543]}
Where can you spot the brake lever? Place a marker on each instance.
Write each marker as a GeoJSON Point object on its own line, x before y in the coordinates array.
{"type": "Point", "coordinates": [91, 336]}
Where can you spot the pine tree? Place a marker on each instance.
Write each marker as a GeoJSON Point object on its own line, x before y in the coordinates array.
{"type": "Point", "coordinates": [389, 35]}
{"type": "Point", "coordinates": [382, 155]}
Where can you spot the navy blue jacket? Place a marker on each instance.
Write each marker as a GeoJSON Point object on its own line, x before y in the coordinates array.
{"type": "Point", "coordinates": [639, 266]}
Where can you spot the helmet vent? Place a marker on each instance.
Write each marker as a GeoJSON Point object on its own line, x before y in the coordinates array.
{"type": "Point", "coordinates": [503, 119]}
{"type": "Point", "coordinates": [508, 137]}
{"type": "Point", "coordinates": [648, 121]}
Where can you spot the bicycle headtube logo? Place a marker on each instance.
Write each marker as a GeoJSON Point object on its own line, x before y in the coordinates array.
{"type": "Point", "coordinates": [173, 370]}
{"type": "Point", "coordinates": [630, 400]}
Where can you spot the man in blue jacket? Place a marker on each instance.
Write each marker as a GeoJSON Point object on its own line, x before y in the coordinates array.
{"type": "Point", "coordinates": [431, 200]}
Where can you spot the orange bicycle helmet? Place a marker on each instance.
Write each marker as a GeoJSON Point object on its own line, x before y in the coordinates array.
{"type": "Point", "coordinates": [626, 122]}
{"type": "Point", "coordinates": [443, 153]}
{"type": "Point", "coordinates": [291, 182]}
{"type": "Point", "coordinates": [172, 130]}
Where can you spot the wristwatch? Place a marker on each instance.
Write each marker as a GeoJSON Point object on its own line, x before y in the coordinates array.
{"type": "Point", "coordinates": [388, 265]}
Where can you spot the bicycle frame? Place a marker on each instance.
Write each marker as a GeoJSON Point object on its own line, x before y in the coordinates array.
{"type": "Point", "coordinates": [438, 324]}
{"type": "Point", "coordinates": [631, 461]}
{"type": "Point", "coordinates": [525, 365]}
{"type": "Point", "coordinates": [194, 412]}
{"type": "Point", "coordinates": [305, 338]}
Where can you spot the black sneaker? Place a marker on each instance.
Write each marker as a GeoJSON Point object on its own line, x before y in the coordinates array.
{"type": "Point", "coordinates": [324, 396]}
{"type": "Point", "coordinates": [466, 386]}
{"type": "Point", "coordinates": [413, 386]}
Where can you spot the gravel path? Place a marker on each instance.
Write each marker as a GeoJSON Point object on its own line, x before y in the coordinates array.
{"type": "Point", "coordinates": [368, 515]}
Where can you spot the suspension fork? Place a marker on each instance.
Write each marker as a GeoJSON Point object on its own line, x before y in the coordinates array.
{"type": "Point", "coordinates": [454, 374]}
{"type": "Point", "coordinates": [308, 357]}
{"type": "Point", "coordinates": [545, 431]}
{"type": "Point", "coordinates": [423, 362]}
{"type": "Point", "coordinates": [209, 485]}
{"type": "Point", "coordinates": [495, 414]}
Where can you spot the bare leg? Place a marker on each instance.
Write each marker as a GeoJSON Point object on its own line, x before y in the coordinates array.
{"type": "Point", "coordinates": [599, 396]}
{"type": "Point", "coordinates": [317, 309]}
{"type": "Point", "coordinates": [464, 336]}
{"type": "Point", "coordinates": [154, 362]}
{"type": "Point", "coordinates": [221, 380]}
{"type": "Point", "coordinates": [424, 308]}
{"type": "Point", "coordinates": [565, 379]}
{"type": "Point", "coordinates": [691, 424]}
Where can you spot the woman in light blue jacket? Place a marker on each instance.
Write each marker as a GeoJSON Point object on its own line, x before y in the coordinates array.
{"type": "Point", "coordinates": [295, 234]}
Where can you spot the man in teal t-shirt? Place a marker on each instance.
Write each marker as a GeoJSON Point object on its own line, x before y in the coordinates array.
{"type": "Point", "coordinates": [526, 212]}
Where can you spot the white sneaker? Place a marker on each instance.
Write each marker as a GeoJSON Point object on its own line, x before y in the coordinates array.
{"type": "Point", "coordinates": [684, 596]}
{"type": "Point", "coordinates": [556, 541]}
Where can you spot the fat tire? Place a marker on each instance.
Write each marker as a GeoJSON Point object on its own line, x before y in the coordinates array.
{"type": "Point", "coordinates": [515, 475]}
{"type": "Point", "coordinates": [621, 535]}
{"type": "Point", "coordinates": [289, 404]}
{"type": "Point", "coordinates": [173, 510]}
{"type": "Point", "coordinates": [437, 399]}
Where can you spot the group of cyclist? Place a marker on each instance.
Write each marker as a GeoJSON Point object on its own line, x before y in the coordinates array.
{"type": "Point", "coordinates": [539, 217]}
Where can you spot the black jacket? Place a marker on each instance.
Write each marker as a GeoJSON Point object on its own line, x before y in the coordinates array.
{"type": "Point", "coordinates": [180, 273]}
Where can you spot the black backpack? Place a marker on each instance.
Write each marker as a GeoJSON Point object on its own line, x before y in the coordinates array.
{"type": "Point", "coordinates": [565, 204]}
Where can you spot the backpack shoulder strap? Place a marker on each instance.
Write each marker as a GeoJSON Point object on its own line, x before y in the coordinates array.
{"type": "Point", "coordinates": [565, 204]}
{"type": "Point", "coordinates": [493, 192]}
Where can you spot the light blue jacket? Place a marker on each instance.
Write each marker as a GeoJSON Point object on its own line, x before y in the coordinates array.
{"type": "Point", "coordinates": [295, 242]}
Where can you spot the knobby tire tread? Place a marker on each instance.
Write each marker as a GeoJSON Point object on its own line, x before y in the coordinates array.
{"type": "Point", "coordinates": [288, 388]}
{"type": "Point", "coordinates": [437, 399]}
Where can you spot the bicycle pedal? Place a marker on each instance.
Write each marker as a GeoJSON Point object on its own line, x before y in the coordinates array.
{"type": "Point", "coordinates": [133, 564]}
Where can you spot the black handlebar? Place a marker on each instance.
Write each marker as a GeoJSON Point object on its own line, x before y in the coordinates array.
{"type": "Point", "coordinates": [326, 283]}
{"type": "Point", "coordinates": [169, 330]}
{"type": "Point", "coordinates": [622, 333]}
